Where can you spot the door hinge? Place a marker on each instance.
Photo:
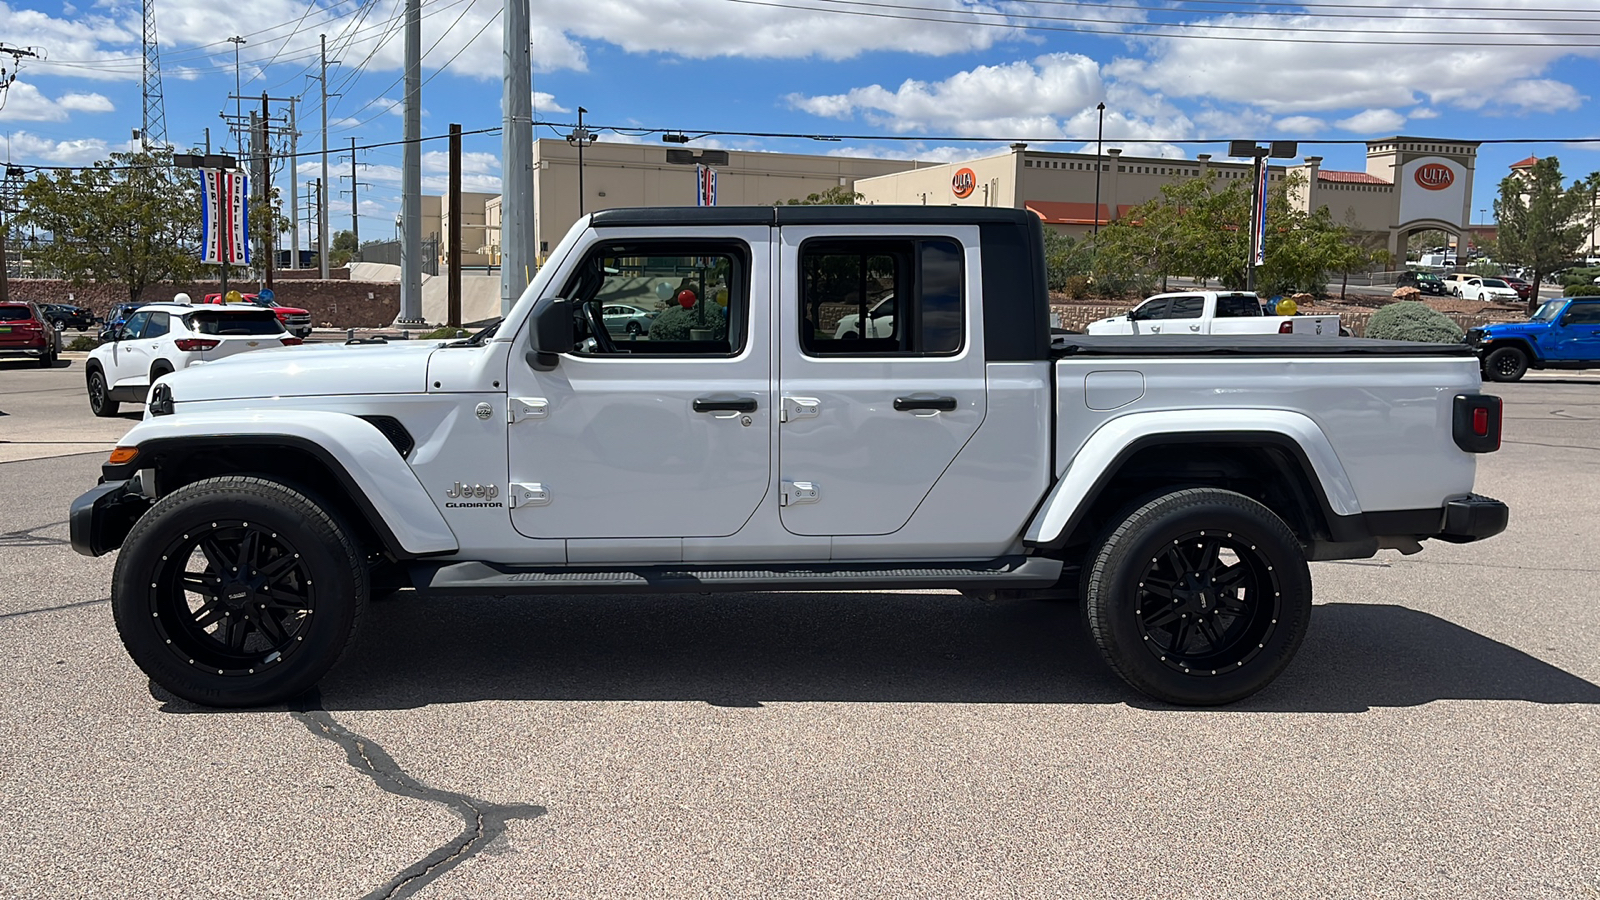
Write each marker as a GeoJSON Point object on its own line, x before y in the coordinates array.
{"type": "Point", "coordinates": [528, 494]}
{"type": "Point", "coordinates": [527, 408]}
{"type": "Point", "coordinates": [798, 492]}
{"type": "Point", "coordinates": [799, 408]}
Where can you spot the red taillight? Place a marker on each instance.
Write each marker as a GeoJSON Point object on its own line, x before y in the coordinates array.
{"type": "Point", "coordinates": [1480, 422]}
{"type": "Point", "coordinates": [1287, 327]}
{"type": "Point", "coordinates": [291, 341]}
{"type": "Point", "coordinates": [190, 345]}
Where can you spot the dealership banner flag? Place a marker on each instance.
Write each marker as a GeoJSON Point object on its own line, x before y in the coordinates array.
{"type": "Point", "coordinates": [1258, 252]}
{"type": "Point", "coordinates": [705, 186]}
{"type": "Point", "coordinates": [225, 217]}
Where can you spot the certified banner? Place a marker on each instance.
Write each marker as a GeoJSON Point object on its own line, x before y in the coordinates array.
{"type": "Point", "coordinates": [1258, 252]}
{"type": "Point", "coordinates": [705, 186]}
{"type": "Point", "coordinates": [225, 217]}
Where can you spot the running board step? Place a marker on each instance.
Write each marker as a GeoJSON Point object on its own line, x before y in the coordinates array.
{"type": "Point", "coordinates": [493, 578]}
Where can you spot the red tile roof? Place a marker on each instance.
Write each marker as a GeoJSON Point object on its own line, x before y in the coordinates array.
{"type": "Point", "coordinates": [1525, 164]}
{"type": "Point", "coordinates": [1348, 177]}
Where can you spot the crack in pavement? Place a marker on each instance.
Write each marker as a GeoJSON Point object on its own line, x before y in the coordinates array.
{"type": "Point", "coordinates": [30, 612]}
{"type": "Point", "coordinates": [27, 538]}
{"type": "Point", "coordinates": [484, 821]}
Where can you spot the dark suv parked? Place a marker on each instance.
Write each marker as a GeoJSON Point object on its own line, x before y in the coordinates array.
{"type": "Point", "coordinates": [65, 315]}
{"type": "Point", "coordinates": [1426, 282]}
{"type": "Point", "coordinates": [25, 332]}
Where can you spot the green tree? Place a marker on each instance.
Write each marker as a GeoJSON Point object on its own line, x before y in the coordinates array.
{"type": "Point", "coordinates": [267, 223]}
{"type": "Point", "coordinates": [838, 195]}
{"type": "Point", "coordinates": [1541, 223]}
{"type": "Point", "coordinates": [1064, 259]}
{"type": "Point", "coordinates": [344, 247]}
{"type": "Point", "coordinates": [130, 219]}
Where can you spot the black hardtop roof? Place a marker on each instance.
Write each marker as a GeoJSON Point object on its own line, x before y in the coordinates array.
{"type": "Point", "coordinates": [809, 215]}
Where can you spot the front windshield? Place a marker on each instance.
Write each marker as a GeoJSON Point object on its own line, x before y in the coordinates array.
{"type": "Point", "coordinates": [1548, 311]}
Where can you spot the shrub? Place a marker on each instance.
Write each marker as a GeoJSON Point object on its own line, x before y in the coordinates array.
{"type": "Point", "coordinates": [1579, 276]}
{"type": "Point", "coordinates": [1571, 290]}
{"type": "Point", "coordinates": [674, 322]}
{"type": "Point", "coordinates": [83, 342]}
{"type": "Point", "coordinates": [444, 334]}
{"type": "Point", "coordinates": [1412, 321]}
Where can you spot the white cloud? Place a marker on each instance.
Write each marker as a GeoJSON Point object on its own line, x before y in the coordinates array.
{"type": "Point", "coordinates": [1372, 121]}
{"type": "Point", "coordinates": [1423, 112]}
{"type": "Point", "coordinates": [26, 103]}
{"type": "Point", "coordinates": [1300, 125]}
{"type": "Point", "coordinates": [1542, 95]}
{"type": "Point", "coordinates": [25, 147]}
{"type": "Point", "coordinates": [546, 103]}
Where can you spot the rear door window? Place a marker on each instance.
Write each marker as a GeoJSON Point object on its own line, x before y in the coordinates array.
{"type": "Point", "coordinates": [1187, 308]}
{"type": "Point", "coordinates": [245, 323]}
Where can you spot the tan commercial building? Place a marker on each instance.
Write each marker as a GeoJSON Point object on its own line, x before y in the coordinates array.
{"type": "Point", "coordinates": [474, 229]}
{"type": "Point", "coordinates": [1410, 185]}
{"type": "Point", "coordinates": [630, 175]}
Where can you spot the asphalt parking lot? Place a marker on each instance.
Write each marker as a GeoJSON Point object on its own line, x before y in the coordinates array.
{"type": "Point", "coordinates": [1437, 736]}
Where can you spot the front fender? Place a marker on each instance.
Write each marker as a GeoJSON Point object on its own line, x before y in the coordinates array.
{"type": "Point", "coordinates": [378, 480]}
{"type": "Point", "coordinates": [1105, 450]}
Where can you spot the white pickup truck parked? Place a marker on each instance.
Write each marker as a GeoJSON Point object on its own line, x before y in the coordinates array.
{"type": "Point", "coordinates": [1177, 486]}
{"type": "Point", "coordinates": [1211, 312]}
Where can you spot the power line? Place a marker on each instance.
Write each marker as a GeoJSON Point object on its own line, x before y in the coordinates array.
{"type": "Point", "coordinates": [491, 20]}
{"type": "Point", "coordinates": [1133, 29]}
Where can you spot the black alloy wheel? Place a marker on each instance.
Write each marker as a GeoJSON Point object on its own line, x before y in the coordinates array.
{"type": "Point", "coordinates": [1505, 364]}
{"type": "Point", "coordinates": [100, 402]}
{"type": "Point", "coordinates": [1199, 597]}
{"type": "Point", "coordinates": [238, 591]}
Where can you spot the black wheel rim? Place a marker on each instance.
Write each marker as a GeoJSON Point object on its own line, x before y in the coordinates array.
{"type": "Point", "coordinates": [232, 598]}
{"type": "Point", "coordinates": [97, 391]}
{"type": "Point", "coordinates": [1507, 365]}
{"type": "Point", "coordinates": [1208, 602]}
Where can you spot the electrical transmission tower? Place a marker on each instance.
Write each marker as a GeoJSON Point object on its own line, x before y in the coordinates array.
{"type": "Point", "coordinates": [154, 132]}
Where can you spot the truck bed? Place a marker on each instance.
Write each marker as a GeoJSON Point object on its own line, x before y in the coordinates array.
{"type": "Point", "coordinates": [1248, 345]}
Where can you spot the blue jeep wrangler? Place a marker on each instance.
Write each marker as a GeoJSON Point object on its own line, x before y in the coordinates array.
{"type": "Point", "coordinates": [1562, 334]}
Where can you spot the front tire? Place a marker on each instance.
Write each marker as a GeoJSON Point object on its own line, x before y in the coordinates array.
{"type": "Point", "coordinates": [1200, 597]}
{"type": "Point", "coordinates": [100, 402]}
{"type": "Point", "coordinates": [1506, 364]}
{"type": "Point", "coordinates": [238, 591]}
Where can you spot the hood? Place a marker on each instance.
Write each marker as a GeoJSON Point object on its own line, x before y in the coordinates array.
{"type": "Point", "coordinates": [310, 370]}
{"type": "Point", "coordinates": [1509, 329]}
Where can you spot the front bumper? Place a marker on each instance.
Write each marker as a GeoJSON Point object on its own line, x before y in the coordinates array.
{"type": "Point", "coordinates": [102, 517]}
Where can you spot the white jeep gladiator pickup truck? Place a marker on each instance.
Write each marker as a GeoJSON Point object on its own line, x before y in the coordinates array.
{"type": "Point", "coordinates": [1177, 486]}
{"type": "Point", "coordinates": [1211, 312]}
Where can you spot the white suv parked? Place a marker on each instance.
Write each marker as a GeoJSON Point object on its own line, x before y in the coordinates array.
{"type": "Point", "coordinates": [166, 337]}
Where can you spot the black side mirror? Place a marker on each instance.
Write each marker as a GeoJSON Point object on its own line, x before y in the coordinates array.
{"type": "Point", "coordinates": [110, 335]}
{"type": "Point", "coordinates": [552, 332]}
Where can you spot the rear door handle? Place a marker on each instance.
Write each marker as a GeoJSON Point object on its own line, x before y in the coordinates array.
{"type": "Point", "coordinates": [742, 405]}
{"type": "Point", "coordinates": [913, 404]}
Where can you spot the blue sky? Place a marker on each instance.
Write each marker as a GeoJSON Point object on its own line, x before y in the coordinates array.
{"type": "Point", "coordinates": [912, 72]}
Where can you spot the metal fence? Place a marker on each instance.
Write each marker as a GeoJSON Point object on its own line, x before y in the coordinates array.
{"type": "Point", "coordinates": [389, 252]}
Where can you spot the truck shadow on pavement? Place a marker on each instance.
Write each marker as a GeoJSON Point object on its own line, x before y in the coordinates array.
{"type": "Point", "coordinates": [743, 650]}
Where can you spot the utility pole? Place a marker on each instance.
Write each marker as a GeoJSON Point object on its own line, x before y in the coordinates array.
{"type": "Point", "coordinates": [238, 99]}
{"type": "Point", "coordinates": [10, 190]}
{"type": "Point", "coordinates": [313, 205]}
{"type": "Point", "coordinates": [153, 132]}
{"type": "Point", "coordinates": [516, 164]}
{"type": "Point", "coordinates": [355, 196]}
{"type": "Point", "coordinates": [294, 186]}
{"type": "Point", "coordinates": [453, 237]}
{"type": "Point", "coordinates": [411, 173]}
{"type": "Point", "coordinates": [322, 203]}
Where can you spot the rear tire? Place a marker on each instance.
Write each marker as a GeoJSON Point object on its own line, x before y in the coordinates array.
{"type": "Point", "coordinates": [1199, 597]}
{"type": "Point", "coordinates": [1505, 364]}
{"type": "Point", "coordinates": [100, 402]}
{"type": "Point", "coordinates": [216, 586]}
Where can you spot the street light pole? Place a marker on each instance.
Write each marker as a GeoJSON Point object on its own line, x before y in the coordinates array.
{"type": "Point", "coordinates": [238, 100]}
{"type": "Point", "coordinates": [1099, 138]}
{"type": "Point", "coordinates": [578, 138]}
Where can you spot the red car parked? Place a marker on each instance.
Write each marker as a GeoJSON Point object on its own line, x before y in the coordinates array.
{"type": "Point", "coordinates": [1524, 290]}
{"type": "Point", "coordinates": [24, 331]}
